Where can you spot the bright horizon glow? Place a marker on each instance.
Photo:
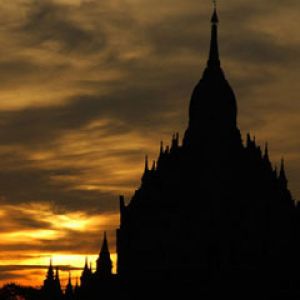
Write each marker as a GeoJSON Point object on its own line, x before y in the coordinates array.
{"type": "Point", "coordinates": [35, 277]}
{"type": "Point", "coordinates": [62, 229]}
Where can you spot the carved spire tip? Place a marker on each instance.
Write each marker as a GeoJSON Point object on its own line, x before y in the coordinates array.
{"type": "Point", "coordinates": [214, 18]}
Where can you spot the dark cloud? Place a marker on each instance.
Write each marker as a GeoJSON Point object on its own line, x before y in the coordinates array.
{"type": "Point", "coordinates": [25, 222]}
{"type": "Point", "coordinates": [9, 276]}
{"type": "Point", "coordinates": [11, 268]}
{"type": "Point", "coordinates": [40, 126]}
{"type": "Point", "coordinates": [257, 48]}
{"type": "Point", "coordinates": [50, 22]}
{"type": "Point", "coordinates": [189, 31]}
{"type": "Point", "coordinates": [149, 99]}
{"type": "Point", "coordinates": [11, 273]}
{"type": "Point", "coordinates": [38, 184]}
{"type": "Point", "coordinates": [139, 102]}
{"type": "Point", "coordinates": [16, 69]}
{"type": "Point", "coordinates": [141, 90]}
{"type": "Point", "coordinates": [88, 242]}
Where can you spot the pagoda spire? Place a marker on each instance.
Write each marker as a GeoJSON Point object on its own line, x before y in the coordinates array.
{"type": "Point", "coordinates": [57, 282]}
{"type": "Point", "coordinates": [146, 170]}
{"type": "Point", "coordinates": [76, 288]}
{"type": "Point", "coordinates": [161, 151]}
{"type": "Point", "coordinates": [275, 171]}
{"type": "Point", "coordinates": [153, 166]}
{"type": "Point", "coordinates": [50, 273]}
{"type": "Point", "coordinates": [56, 273]}
{"type": "Point", "coordinates": [69, 288]}
{"type": "Point", "coordinates": [146, 164]}
{"type": "Point", "coordinates": [214, 60]}
{"type": "Point", "coordinates": [282, 175]}
{"type": "Point", "coordinates": [86, 273]}
{"type": "Point", "coordinates": [104, 248]}
{"type": "Point", "coordinates": [266, 155]}
{"type": "Point", "coordinates": [104, 263]}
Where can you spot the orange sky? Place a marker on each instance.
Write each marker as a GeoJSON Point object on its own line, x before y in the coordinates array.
{"type": "Point", "coordinates": [88, 87]}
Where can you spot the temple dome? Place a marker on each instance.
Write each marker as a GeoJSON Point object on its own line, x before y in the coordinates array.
{"type": "Point", "coordinates": [213, 103]}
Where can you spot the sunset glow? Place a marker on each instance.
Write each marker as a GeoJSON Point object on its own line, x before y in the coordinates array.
{"type": "Point", "coordinates": [27, 256]}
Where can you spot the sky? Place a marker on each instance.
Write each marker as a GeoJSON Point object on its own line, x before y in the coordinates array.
{"type": "Point", "coordinates": [88, 87]}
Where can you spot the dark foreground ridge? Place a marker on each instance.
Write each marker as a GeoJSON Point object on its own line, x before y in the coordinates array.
{"type": "Point", "coordinates": [212, 216]}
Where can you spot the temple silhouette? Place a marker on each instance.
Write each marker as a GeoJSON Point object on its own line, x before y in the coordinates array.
{"type": "Point", "coordinates": [102, 281]}
{"type": "Point", "coordinates": [212, 214]}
